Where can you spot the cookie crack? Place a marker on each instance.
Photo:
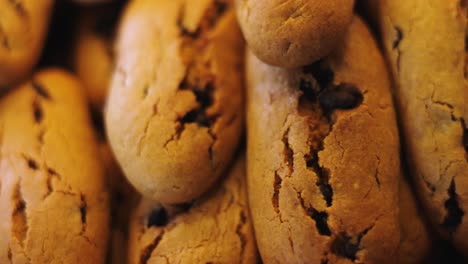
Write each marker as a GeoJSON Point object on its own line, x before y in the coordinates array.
{"type": "Point", "coordinates": [396, 45]}
{"type": "Point", "coordinates": [19, 217]}
{"type": "Point", "coordinates": [276, 191]}
{"type": "Point", "coordinates": [318, 102]}
{"type": "Point", "coordinates": [146, 253]}
{"type": "Point", "coordinates": [455, 214]}
{"type": "Point", "coordinates": [320, 217]}
{"type": "Point", "coordinates": [347, 246]}
{"type": "Point", "coordinates": [83, 207]}
{"type": "Point", "coordinates": [377, 172]}
{"type": "Point", "coordinates": [240, 234]}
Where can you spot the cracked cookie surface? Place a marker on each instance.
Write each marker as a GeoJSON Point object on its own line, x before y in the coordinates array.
{"type": "Point", "coordinates": [23, 27]}
{"type": "Point", "coordinates": [174, 113]}
{"type": "Point", "coordinates": [426, 45]}
{"type": "Point", "coordinates": [323, 157]}
{"type": "Point", "coordinates": [52, 194]}
{"type": "Point", "coordinates": [293, 33]}
{"type": "Point", "coordinates": [214, 229]}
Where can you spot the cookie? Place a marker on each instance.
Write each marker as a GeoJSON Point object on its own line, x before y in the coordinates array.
{"type": "Point", "coordinates": [23, 27]}
{"type": "Point", "coordinates": [53, 200]}
{"type": "Point", "coordinates": [214, 229]}
{"type": "Point", "coordinates": [415, 236]}
{"type": "Point", "coordinates": [323, 157]}
{"type": "Point", "coordinates": [175, 109]}
{"type": "Point", "coordinates": [94, 58]}
{"type": "Point", "coordinates": [293, 33]}
{"type": "Point", "coordinates": [426, 46]}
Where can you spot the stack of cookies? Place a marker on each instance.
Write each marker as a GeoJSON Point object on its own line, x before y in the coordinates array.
{"type": "Point", "coordinates": [233, 131]}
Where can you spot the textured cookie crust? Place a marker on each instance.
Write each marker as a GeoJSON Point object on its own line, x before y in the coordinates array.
{"type": "Point", "coordinates": [426, 47]}
{"type": "Point", "coordinates": [174, 113]}
{"type": "Point", "coordinates": [415, 237]}
{"type": "Point", "coordinates": [23, 26]}
{"type": "Point", "coordinates": [215, 229]}
{"type": "Point", "coordinates": [293, 33]}
{"type": "Point", "coordinates": [323, 157]}
{"type": "Point", "coordinates": [53, 202]}
{"type": "Point", "coordinates": [94, 56]}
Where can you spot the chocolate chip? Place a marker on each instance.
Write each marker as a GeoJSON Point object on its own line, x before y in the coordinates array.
{"type": "Point", "coordinates": [307, 90]}
{"type": "Point", "coordinates": [321, 72]}
{"type": "Point", "coordinates": [344, 246]}
{"type": "Point", "coordinates": [158, 217]}
{"type": "Point", "coordinates": [204, 97]}
{"type": "Point", "coordinates": [32, 164]}
{"type": "Point", "coordinates": [342, 96]}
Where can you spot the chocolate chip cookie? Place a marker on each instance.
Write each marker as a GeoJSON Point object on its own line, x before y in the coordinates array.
{"type": "Point", "coordinates": [53, 200]}
{"type": "Point", "coordinates": [426, 45]}
{"type": "Point", "coordinates": [214, 229]}
{"type": "Point", "coordinates": [175, 109]}
{"type": "Point", "coordinates": [323, 157]}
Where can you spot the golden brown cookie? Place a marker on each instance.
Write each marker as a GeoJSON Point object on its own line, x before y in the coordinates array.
{"type": "Point", "coordinates": [53, 200]}
{"type": "Point", "coordinates": [23, 27]}
{"type": "Point", "coordinates": [215, 229]}
{"type": "Point", "coordinates": [426, 45]}
{"type": "Point", "coordinates": [415, 236]}
{"type": "Point", "coordinates": [94, 59]}
{"type": "Point", "coordinates": [323, 157]}
{"type": "Point", "coordinates": [174, 113]}
{"type": "Point", "coordinates": [293, 33]}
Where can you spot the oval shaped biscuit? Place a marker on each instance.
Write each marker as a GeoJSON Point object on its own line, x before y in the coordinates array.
{"type": "Point", "coordinates": [174, 113]}
{"type": "Point", "coordinates": [293, 33]}
{"type": "Point", "coordinates": [215, 229]}
{"type": "Point", "coordinates": [23, 27]}
{"type": "Point", "coordinates": [323, 157]}
{"type": "Point", "coordinates": [427, 49]}
{"type": "Point", "coordinates": [53, 201]}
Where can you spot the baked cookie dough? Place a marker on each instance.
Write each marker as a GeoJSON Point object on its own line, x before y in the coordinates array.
{"type": "Point", "coordinates": [175, 110]}
{"type": "Point", "coordinates": [426, 46]}
{"type": "Point", "coordinates": [323, 157]}
{"type": "Point", "coordinates": [215, 229]}
{"type": "Point", "coordinates": [293, 33]}
{"type": "Point", "coordinates": [23, 27]}
{"type": "Point", "coordinates": [53, 201]}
